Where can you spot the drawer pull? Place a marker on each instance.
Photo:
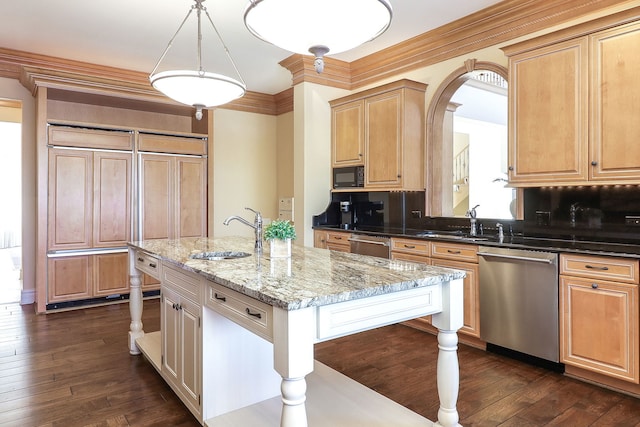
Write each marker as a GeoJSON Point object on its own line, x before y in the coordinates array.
{"type": "Point", "coordinates": [258, 315]}
{"type": "Point", "coordinates": [338, 237]}
{"type": "Point", "coordinates": [409, 246]}
{"type": "Point", "coordinates": [219, 298]}
{"type": "Point", "coordinates": [140, 259]}
{"type": "Point", "coordinates": [596, 268]}
{"type": "Point", "coordinates": [453, 252]}
{"type": "Point", "coordinates": [152, 264]}
{"type": "Point", "coordinates": [594, 285]}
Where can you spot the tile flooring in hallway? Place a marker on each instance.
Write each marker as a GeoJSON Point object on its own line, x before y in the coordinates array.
{"type": "Point", "coordinates": [10, 277]}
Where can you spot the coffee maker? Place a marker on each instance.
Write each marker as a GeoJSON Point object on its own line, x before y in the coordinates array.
{"type": "Point", "coordinates": [346, 214]}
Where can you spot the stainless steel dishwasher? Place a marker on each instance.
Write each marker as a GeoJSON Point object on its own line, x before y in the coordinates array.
{"type": "Point", "coordinates": [519, 301]}
{"type": "Point", "coordinates": [378, 246]}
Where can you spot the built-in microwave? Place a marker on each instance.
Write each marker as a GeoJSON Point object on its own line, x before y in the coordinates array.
{"type": "Point", "coordinates": [348, 177]}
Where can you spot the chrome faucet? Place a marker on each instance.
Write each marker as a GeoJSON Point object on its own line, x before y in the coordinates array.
{"type": "Point", "coordinates": [500, 232]}
{"type": "Point", "coordinates": [257, 226]}
{"type": "Point", "coordinates": [573, 209]}
{"type": "Point", "coordinates": [471, 213]}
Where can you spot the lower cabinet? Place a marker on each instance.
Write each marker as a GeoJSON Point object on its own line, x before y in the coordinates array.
{"type": "Point", "coordinates": [181, 337]}
{"type": "Point", "coordinates": [332, 240]}
{"type": "Point", "coordinates": [599, 318]}
{"type": "Point", "coordinates": [449, 255]}
{"type": "Point", "coordinates": [81, 277]}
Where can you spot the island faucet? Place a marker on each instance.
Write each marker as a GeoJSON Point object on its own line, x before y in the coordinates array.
{"type": "Point", "coordinates": [500, 232]}
{"type": "Point", "coordinates": [471, 213]}
{"type": "Point", "coordinates": [257, 226]}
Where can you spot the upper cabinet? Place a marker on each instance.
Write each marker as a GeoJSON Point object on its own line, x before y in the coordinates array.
{"type": "Point", "coordinates": [382, 129]}
{"type": "Point", "coordinates": [572, 104]}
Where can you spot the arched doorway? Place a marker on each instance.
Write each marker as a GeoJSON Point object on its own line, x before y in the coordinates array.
{"type": "Point", "coordinates": [439, 122]}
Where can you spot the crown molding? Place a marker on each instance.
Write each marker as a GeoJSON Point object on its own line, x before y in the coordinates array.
{"type": "Point", "coordinates": [496, 24]}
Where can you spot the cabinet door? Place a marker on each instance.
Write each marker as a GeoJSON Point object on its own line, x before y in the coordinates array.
{"type": "Point", "coordinates": [157, 193]}
{"type": "Point", "coordinates": [191, 197]}
{"type": "Point", "coordinates": [599, 327]}
{"type": "Point", "coordinates": [170, 320]}
{"type": "Point", "coordinates": [320, 239]}
{"type": "Point", "coordinates": [348, 134]}
{"type": "Point", "coordinates": [548, 114]}
{"type": "Point", "coordinates": [190, 352]}
{"type": "Point", "coordinates": [471, 294]}
{"type": "Point", "coordinates": [70, 200]}
{"type": "Point", "coordinates": [69, 278]}
{"type": "Point", "coordinates": [383, 140]}
{"type": "Point", "coordinates": [615, 152]}
{"type": "Point", "coordinates": [112, 199]}
{"type": "Point", "coordinates": [110, 274]}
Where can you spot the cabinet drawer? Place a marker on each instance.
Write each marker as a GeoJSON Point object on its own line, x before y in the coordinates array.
{"type": "Point", "coordinates": [172, 144]}
{"type": "Point", "coordinates": [596, 267]}
{"type": "Point", "coordinates": [338, 238]}
{"type": "Point", "coordinates": [90, 138]}
{"type": "Point", "coordinates": [249, 313]}
{"type": "Point", "coordinates": [454, 251]}
{"type": "Point", "coordinates": [188, 285]}
{"type": "Point", "coordinates": [148, 264]}
{"type": "Point", "coordinates": [418, 247]}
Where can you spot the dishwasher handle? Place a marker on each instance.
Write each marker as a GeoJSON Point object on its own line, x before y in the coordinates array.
{"type": "Point", "coordinates": [516, 257]}
{"type": "Point", "coordinates": [373, 242]}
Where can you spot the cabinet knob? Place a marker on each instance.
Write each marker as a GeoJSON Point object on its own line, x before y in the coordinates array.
{"type": "Point", "coordinates": [510, 168]}
{"type": "Point", "coordinates": [594, 285]}
{"type": "Point", "coordinates": [594, 163]}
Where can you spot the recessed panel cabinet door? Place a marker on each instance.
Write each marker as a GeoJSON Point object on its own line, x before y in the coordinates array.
{"type": "Point", "coordinates": [615, 108]}
{"type": "Point", "coordinates": [70, 199]}
{"type": "Point", "coordinates": [110, 274]}
{"type": "Point", "coordinates": [191, 198]}
{"type": "Point", "coordinates": [383, 140]}
{"type": "Point", "coordinates": [156, 196]}
{"type": "Point", "coordinates": [112, 199]}
{"type": "Point", "coordinates": [69, 278]}
{"type": "Point", "coordinates": [548, 102]}
{"type": "Point", "coordinates": [348, 134]}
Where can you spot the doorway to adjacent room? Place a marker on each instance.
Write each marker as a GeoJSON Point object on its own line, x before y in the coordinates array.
{"type": "Point", "coordinates": [11, 197]}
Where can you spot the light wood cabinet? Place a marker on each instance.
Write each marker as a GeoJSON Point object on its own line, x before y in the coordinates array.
{"type": "Point", "coordinates": [599, 318]}
{"type": "Point", "coordinates": [347, 134]}
{"type": "Point", "coordinates": [181, 337]}
{"type": "Point", "coordinates": [392, 128]}
{"type": "Point", "coordinates": [572, 106]}
{"type": "Point", "coordinates": [338, 241]}
{"type": "Point", "coordinates": [462, 257]}
{"type": "Point", "coordinates": [320, 239]}
{"type": "Point", "coordinates": [450, 255]}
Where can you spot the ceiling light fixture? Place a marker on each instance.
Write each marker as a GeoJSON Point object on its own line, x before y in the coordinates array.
{"type": "Point", "coordinates": [198, 88]}
{"type": "Point", "coordinates": [317, 26]}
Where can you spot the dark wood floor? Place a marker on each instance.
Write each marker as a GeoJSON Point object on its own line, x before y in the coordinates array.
{"type": "Point", "coordinates": [74, 369]}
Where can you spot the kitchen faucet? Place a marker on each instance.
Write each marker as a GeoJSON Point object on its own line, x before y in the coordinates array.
{"type": "Point", "coordinates": [500, 232]}
{"type": "Point", "coordinates": [471, 213]}
{"type": "Point", "coordinates": [257, 226]}
{"type": "Point", "coordinates": [573, 209]}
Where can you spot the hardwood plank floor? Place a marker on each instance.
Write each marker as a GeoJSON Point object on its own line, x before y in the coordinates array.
{"type": "Point", "coordinates": [74, 369]}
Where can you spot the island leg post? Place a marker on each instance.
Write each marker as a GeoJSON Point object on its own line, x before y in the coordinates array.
{"type": "Point", "coordinates": [293, 360]}
{"type": "Point", "coordinates": [135, 305]}
{"type": "Point", "coordinates": [448, 373]}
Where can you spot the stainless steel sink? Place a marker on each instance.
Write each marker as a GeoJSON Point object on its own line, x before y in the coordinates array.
{"type": "Point", "coordinates": [217, 256]}
{"type": "Point", "coordinates": [450, 236]}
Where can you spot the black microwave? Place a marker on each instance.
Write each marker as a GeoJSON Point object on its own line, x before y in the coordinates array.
{"type": "Point", "coordinates": [348, 177]}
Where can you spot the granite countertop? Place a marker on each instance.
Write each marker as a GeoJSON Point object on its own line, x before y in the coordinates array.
{"type": "Point", "coordinates": [543, 243]}
{"type": "Point", "coordinates": [311, 277]}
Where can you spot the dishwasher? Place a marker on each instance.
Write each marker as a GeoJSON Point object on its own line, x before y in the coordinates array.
{"type": "Point", "coordinates": [378, 246]}
{"type": "Point", "coordinates": [519, 301]}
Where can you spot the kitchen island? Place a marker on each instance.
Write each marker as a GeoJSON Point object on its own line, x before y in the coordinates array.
{"type": "Point", "coordinates": [237, 335]}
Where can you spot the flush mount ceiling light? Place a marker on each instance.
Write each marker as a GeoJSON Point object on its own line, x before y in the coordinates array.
{"type": "Point", "coordinates": [198, 88]}
{"type": "Point", "coordinates": [317, 26]}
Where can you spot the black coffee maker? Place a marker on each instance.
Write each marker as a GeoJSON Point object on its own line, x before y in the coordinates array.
{"type": "Point", "coordinates": [346, 214]}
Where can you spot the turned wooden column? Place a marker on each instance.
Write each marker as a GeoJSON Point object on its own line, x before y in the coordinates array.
{"type": "Point", "coordinates": [135, 304]}
{"type": "Point", "coordinates": [448, 321]}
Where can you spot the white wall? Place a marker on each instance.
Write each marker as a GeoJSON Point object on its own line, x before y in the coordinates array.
{"type": "Point", "coordinates": [12, 89]}
{"type": "Point", "coordinates": [244, 169]}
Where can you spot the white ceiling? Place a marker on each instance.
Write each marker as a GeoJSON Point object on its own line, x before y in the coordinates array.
{"type": "Point", "coordinates": [132, 34]}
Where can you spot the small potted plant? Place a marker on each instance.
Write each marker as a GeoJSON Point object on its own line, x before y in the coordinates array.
{"type": "Point", "coordinates": [279, 234]}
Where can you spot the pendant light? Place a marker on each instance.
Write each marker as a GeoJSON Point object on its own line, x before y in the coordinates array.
{"type": "Point", "coordinates": [198, 88]}
{"type": "Point", "coordinates": [317, 26]}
